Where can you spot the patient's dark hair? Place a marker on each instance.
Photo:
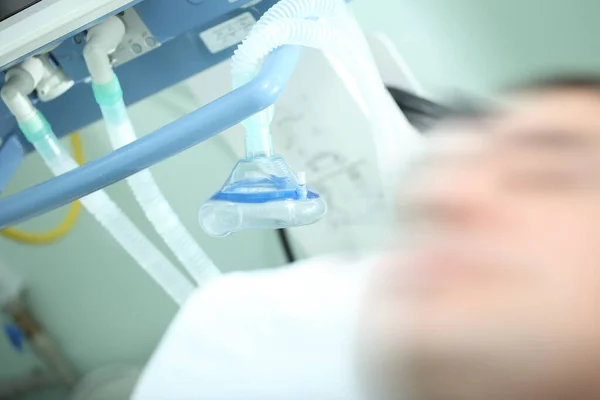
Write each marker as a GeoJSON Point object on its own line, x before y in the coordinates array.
{"type": "Point", "coordinates": [473, 109]}
{"type": "Point", "coordinates": [466, 107]}
{"type": "Point", "coordinates": [558, 82]}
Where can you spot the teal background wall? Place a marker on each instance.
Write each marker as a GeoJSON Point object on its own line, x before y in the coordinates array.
{"type": "Point", "coordinates": [476, 46]}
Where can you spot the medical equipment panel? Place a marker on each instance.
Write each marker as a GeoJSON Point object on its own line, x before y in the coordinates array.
{"type": "Point", "coordinates": [175, 40]}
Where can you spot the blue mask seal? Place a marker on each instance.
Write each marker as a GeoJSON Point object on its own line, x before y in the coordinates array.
{"type": "Point", "coordinates": [261, 193]}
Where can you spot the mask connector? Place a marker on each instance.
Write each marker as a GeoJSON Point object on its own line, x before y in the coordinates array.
{"type": "Point", "coordinates": [261, 193]}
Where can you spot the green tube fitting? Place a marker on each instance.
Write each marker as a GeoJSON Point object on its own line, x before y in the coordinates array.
{"type": "Point", "coordinates": [109, 97]}
{"type": "Point", "coordinates": [36, 128]}
{"type": "Point", "coordinates": [108, 94]}
{"type": "Point", "coordinates": [39, 133]}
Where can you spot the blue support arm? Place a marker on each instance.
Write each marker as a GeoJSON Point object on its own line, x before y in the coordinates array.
{"type": "Point", "coordinates": [11, 155]}
{"type": "Point", "coordinates": [202, 124]}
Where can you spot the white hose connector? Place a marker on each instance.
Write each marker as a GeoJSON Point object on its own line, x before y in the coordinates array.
{"type": "Point", "coordinates": [20, 82]}
{"type": "Point", "coordinates": [102, 40]}
{"type": "Point", "coordinates": [36, 72]}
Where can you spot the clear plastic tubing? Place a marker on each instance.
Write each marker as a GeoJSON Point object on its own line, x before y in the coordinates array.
{"type": "Point", "coordinates": [146, 191]}
{"type": "Point", "coordinates": [327, 25]}
{"type": "Point", "coordinates": [108, 214]}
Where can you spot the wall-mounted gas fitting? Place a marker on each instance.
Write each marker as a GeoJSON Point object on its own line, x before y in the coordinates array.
{"type": "Point", "coordinates": [137, 41]}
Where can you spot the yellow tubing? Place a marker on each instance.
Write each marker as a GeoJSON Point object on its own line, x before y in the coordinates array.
{"type": "Point", "coordinates": [67, 224]}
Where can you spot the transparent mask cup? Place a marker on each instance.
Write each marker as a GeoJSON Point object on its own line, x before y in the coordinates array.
{"type": "Point", "coordinates": [261, 193]}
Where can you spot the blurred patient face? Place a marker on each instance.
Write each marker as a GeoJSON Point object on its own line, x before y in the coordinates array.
{"type": "Point", "coordinates": [496, 292]}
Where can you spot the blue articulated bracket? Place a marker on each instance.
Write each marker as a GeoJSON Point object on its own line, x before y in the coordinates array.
{"type": "Point", "coordinates": [200, 125]}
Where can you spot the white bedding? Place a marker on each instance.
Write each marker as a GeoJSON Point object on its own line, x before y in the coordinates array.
{"type": "Point", "coordinates": [282, 334]}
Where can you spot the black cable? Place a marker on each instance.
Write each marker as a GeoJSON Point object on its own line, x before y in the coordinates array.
{"type": "Point", "coordinates": [287, 248]}
{"type": "Point", "coordinates": [423, 114]}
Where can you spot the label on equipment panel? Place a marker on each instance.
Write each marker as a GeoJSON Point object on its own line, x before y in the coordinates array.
{"type": "Point", "coordinates": [229, 33]}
